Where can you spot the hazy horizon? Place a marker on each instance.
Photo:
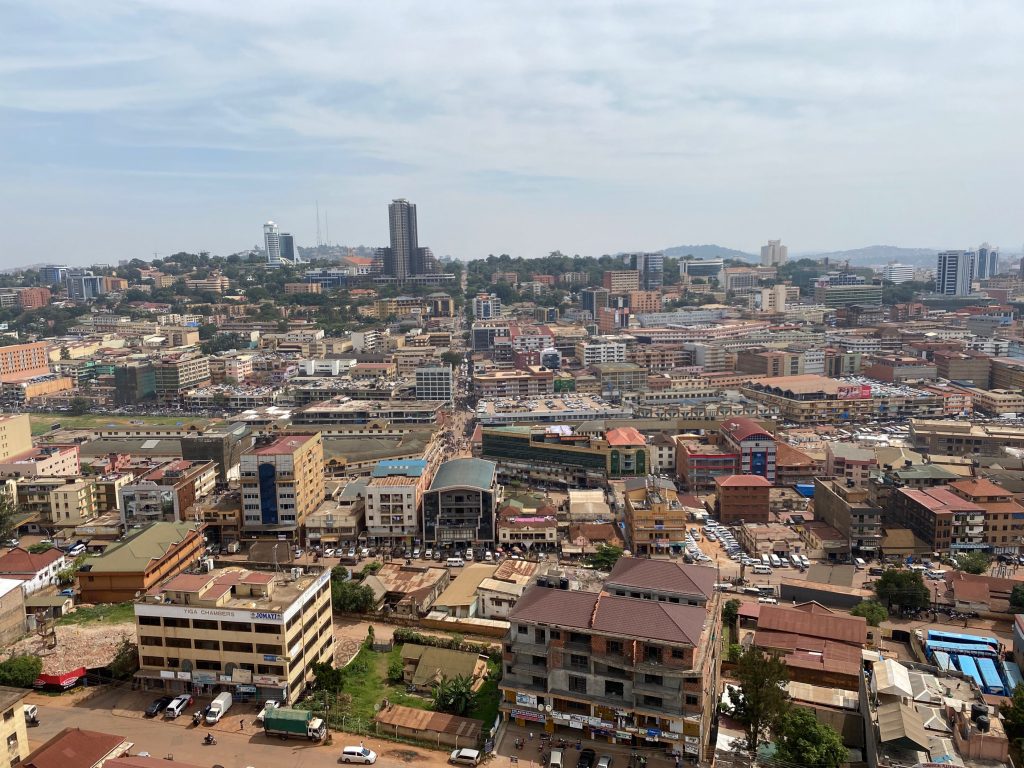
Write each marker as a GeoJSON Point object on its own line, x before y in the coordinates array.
{"type": "Point", "coordinates": [586, 127]}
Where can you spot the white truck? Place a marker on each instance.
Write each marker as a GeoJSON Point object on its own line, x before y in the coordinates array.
{"type": "Point", "coordinates": [218, 707]}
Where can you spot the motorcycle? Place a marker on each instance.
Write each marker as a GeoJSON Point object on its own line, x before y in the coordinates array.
{"type": "Point", "coordinates": [209, 739]}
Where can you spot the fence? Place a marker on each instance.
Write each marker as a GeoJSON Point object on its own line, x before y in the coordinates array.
{"type": "Point", "coordinates": [362, 727]}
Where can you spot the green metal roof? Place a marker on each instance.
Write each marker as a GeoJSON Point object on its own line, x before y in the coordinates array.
{"type": "Point", "coordinates": [135, 553]}
{"type": "Point", "coordinates": [471, 473]}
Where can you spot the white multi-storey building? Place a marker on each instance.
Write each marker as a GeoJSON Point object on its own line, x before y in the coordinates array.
{"type": "Point", "coordinates": [600, 351]}
{"type": "Point", "coordinates": [954, 273]}
{"type": "Point", "coordinates": [897, 273]}
{"type": "Point", "coordinates": [774, 254]}
{"type": "Point", "coordinates": [434, 383]}
{"type": "Point", "coordinates": [272, 242]}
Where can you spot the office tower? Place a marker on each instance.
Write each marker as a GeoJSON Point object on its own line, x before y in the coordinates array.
{"type": "Point", "coordinates": [83, 285]}
{"type": "Point", "coordinates": [897, 273]}
{"type": "Point", "coordinates": [486, 306]}
{"type": "Point", "coordinates": [405, 258]}
{"type": "Point", "coordinates": [53, 274]}
{"type": "Point", "coordinates": [288, 250]}
{"type": "Point", "coordinates": [987, 262]}
{"type": "Point", "coordinates": [593, 300]}
{"type": "Point", "coordinates": [954, 273]}
{"type": "Point", "coordinates": [282, 482]}
{"type": "Point", "coordinates": [651, 267]}
{"type": "Point", "coordinates": [774, 254]}
{"type": "Point", "coordinates": [272, 241]}
{"type": "Point", "coordinates": [434, 382]}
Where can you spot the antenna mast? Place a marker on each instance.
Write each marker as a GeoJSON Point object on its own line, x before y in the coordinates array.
{"type": "Point", "coordinates": [318, 241]}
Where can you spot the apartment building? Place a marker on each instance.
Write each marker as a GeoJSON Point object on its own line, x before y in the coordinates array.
{"type": "Point", "coordinates": [19, 361]}
{"type": "Point", "coordinates": [897, 369]}
{"type": "Point", "coordinates": [698, 465]}
{"type": "Point", "coordinates": [531, 382]}
{"type": "Point", "coordinates": [757, 448]}
{"type": "Point", "coordinates": [282, 482]}
{"type": "Point", "coordinates": [946, 522]}
{"type": "Point", "coordinates": [167, 492]}
{"type": "Point", "coordinates": [176, 374]}
{"type": "Point", "coordinates": [596, 351]}
{"type": "Point", "coordinates": [621, 281]}
{"type": "Point", "coordinates": [636, 664]}
{"type": "Point", "coordinates": [971, 368]}
{"type": "Point", "coordinates": [616, 378]}
{"type": "Point", "coordinates": [644, 301]}
{"type": "Point", "coordinates": [959, 438]}
{"type": "Point", "coordinates": [655, 519]}
{"type": "Point", "coordinates": [434, 382]}
{"type": "Point", "coordinates": [1004, 514]}
{"type": "Point", "coordinates": [255, 634]}
{"type": "Point", "coordinates": [845, 506]}
{"type": "Point", "coordinates": [13, 728]}
{"type": "Point", "coordinates": [44, 461]}
{"type": "Point", "coordinates": [742, 498]}
{"type": "Point", "coordinates": [459, 507]}
{"type": "Point", "coordinates": [394, 500]}
{"type": "Point", "coordinates": [849, 462]}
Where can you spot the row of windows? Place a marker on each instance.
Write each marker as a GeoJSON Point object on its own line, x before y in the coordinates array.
{"type": "Point", "coordinates": [225, 626]}
{"type": "Point", "coordinates": [227, 646]}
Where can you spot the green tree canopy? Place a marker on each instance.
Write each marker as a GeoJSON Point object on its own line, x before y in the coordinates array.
{"type": "Point", "coordinates": [902, 588]}
{"type": "Point", "coordinates": [1013, 715]}
{"type": "Point", "coordinates": [20, 671]}
{"type": "Point", "coordinates": [730, 611]}
{"type": "Point", "coordinates": [9, 514]}
{"type": "Point", "coordinates": [973, 562]}
{"type": "Point", "coordinates": [801, 740]}
{"type": "Point", "coordinates": [606, 556]}
{"type": "Point", "coordinates": [872, 610]}
{"type": "Point", "coordinates": [454, 695]}
{"type": "Point", "coordinates": [762, 699]}
{"type": "Point", "coordinates": [1017, 597]}
{"type": "Point", "coordinates": [350, 597]}
{"type": "Point", "coordinates": [454, 359]}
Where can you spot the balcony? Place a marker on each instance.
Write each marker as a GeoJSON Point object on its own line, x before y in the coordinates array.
{"type": "Point", "coordinates": [667, 687]}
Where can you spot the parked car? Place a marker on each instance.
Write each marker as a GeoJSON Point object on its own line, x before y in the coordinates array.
{"type": "Point", "coordinates": [586, 759]}
{"type": "Point", "coordinates": [351, 551]}
{"type": "Point", "coordinates": [158, 706]}
{"type": "Point", "coordinates": [358, 755]}
{"type": "Point", "coordinates": [464, 756]}
{"type": "Point", "coordinates": [328, 552]}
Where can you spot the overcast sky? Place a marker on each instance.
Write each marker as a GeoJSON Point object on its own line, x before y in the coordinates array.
{"type": "Point", "coordinates": [128, 128]}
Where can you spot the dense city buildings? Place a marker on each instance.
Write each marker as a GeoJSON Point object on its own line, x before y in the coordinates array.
{"type": "Point", "coordinates": [774, 254]}
{"type": "Point", "coordinates": [281, 483]}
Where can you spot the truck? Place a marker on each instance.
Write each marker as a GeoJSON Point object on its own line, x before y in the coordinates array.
{"type": "Point", "coordinates": [285, 722]}
{"type": "Point", "coordinates": [218, 707]}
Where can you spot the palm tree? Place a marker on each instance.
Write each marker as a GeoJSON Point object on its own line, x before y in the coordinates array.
{"type": "Point", "coordinates": [454, 695]}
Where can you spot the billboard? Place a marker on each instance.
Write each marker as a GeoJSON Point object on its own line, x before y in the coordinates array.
{"type": "Point", "coordinates": [853, 392]}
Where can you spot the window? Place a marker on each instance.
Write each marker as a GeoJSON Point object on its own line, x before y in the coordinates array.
{"type": "Point", "coordinates": [236, 626]}
{"type": "Point", "coordinates": [522, 629]}
{"type": "Point", "coordinates": [692, 700]}
{"type": "Point", "coordinates": [613, 647]}
{"type": "Point", "coordinates": [150, 640]}
{"type": "Point", "coordinates": [207, 645]}
{"type": "Point", "coordinates": [654, 679]}
{"type": "Point", "coordinates": [152, 661]}
{"type": "Point", "coordinates": [268, 650]}
{"type": "Point", "coordinates": [210, 666]}
{"type": "Point", "coordinates": [612, 688]}
{"type": "Point", "coordinates": [554, 634]}
{"type": "Point", "coordinates": [652, 701]}
{"type": "Point", "coordinates": [231, 647]}
{"type": "Point", "coordinates": [203, 624]}
{"type": "Point", "coordinates": [9, 715]}
{"type": "Point", "coordinates": [678, 653]}
{"type": "Point", "coordinates": [577, 684]}
{"type": "Point", "coordinates": [179, 623]}
{"type": "Point", "coordinates": [268, 629]}
{"type": "Point", "coordinates": [269, 669]}
{"type": "Point", "coordinates": [149, 621]}
{"type": "Point", "coordinates": [577, 662]}
{"type": "Point", "coordinates": [178, 642]}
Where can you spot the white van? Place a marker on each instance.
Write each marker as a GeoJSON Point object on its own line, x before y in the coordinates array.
{"type": "Point", "coordinates": [763, 569]}
{"type": "Point", "coordinates": [774, 560]}
{"type": "Point", "coordinates": [455, 562]}
{"type": "Point", "coordinates": [76, 550]}
{"type": "Point", "coordinates": [794, 560]}
{"type": "Point", "coordinates": [859, 563]}
{"type": "Point", "coordinates": [767, 601]}
{"type": "Point", "coordinates": [765, 560]}
{"type": "Point", "coordinates": [360, 755]}
{"type": "Point", "coordinates": [176, 707]}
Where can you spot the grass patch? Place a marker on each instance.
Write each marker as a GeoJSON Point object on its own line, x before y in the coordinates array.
{"type": "Point", "coordinates": [41, 422]}
{"type": "Point", "coordinates": [486, 707]}
{"type": "Point", "coordinates": [106, 613]}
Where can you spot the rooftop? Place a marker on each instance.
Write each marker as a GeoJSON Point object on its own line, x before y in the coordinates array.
{"type": "Point", "coordinates": [75, 748]}
{"type": "Point", "coordinates": [233, 588]}
{"type": "Point", "coordinates": [742, 481]}
{"type": "Point", "coordinates": [403, 467]}
{"type": "Point", "coordinates": [284, 445]}
{"type": "Point", "coordinates": [465, 473]}
{"type": "Point", "coordinates": [663, 575]}
{"type": "Point", "coordinates": [134, 553]}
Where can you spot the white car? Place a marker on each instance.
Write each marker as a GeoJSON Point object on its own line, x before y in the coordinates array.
{"type": "Point", "coordinates": [364, 552]}
{"type": "Point", "coordinates": [328, 552]}
{"type": "Point", "coordinates": [358, 755]}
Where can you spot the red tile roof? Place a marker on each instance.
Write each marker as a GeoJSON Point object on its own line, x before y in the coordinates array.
{"type": "Point", "coordinates": [667, 575]}
{"type": "Point", "coordinates": [624, 436]}
{"type": "Point", "coordinates": [979, 487]}
{"type": "Point", "coordinates": [22, 562]}
{"type": "Point", "coordinates": [74, 748]}
{"type": "Point", "coordinates": [740, 428]}
{"type": "Point", "coordinates": [813, 620]}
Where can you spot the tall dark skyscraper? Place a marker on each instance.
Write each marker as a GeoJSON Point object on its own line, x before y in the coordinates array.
{"type": "Point", "coordinates": [405, 257]}
{"type": "Point", "coordinates": [651, 267]}
{"type": "Point", "coordinates": [288, 250]}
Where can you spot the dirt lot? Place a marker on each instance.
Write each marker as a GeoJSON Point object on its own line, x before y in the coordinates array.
{"type": "Point", "coordinates": [77, 646]}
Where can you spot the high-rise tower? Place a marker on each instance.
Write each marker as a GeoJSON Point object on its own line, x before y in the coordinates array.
{"type": "Point", "coordinates": [404, 258]}
{"type": "Point", "coordinates": [954, 272]}
{"type": "Point", "coordinates": [272, 240]}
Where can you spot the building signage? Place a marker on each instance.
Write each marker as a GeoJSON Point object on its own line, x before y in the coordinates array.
{"type": "Point", "coordinates": [526, 700]}
{"type": "Point", "coordinates": [204, 678]}
{"type": "Point", "coordinates": [184, 676]}
{"type": "Point", "coordinates": [167, 674]}
{"type": "Point", "coordinates": [270, 680]}
{"type": "Point", "coordinates": [522, 714]}
{"type": "Point", "coordinates": [271, 657]}
{"type": "Point", "coordinates": [263, 616]}
{"type": "Point", "coordinates": [247, 689]}
{"type": "Point", "coordinates": [691, 745]}
{"type": "Point", "coordinates": [853, 392]}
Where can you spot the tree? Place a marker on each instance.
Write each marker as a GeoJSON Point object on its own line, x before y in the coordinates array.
{"type": "Point", "coordinates": [905, 589]}
{"type": "Point", "coordinates": [606, 556]}
{"type": "Point", "coordinates": [350, 597]}
{"type": "Point", "coordinates": [126, 660]}
{"type": "Point", "coordinates": [78, 406]}
{"type": "Point", "coordinates": [973, 562]}
{"type": "Point", "coordinates": [454, 359]}
{"type": "Point", "coordinates": [1013, 715]}
{"type": "Point", "coordinates": [39, 547]}
{"type": "Point", "coordinates": [801, 740]}
{"type": "Point", "coordinates": [328, 678]}
{"type": "Point", "coordinates": [20, 671]}
{"type": "Point", "coordinates": [1017, 597]}
{"type": "Point", "coordinates": [9, 514]}
{"type": "Point", "coordinates": [396, 670]}
{"type": "Point", "coordinates": [730, 611]}
{"type": "Point", "coordinates": [872, 610]}
{"type": "Point", "coordinates": [761, 700]}
{"type": "Point", "coordinates": [454, 695]}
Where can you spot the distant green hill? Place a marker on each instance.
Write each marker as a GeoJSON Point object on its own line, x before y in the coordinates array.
{"type": "Point", "coordinates": [708, 252]}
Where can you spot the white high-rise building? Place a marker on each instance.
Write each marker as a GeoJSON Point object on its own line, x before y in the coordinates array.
{"type": "Point", "coordinates": [272, 241]}
{"type": "Point", "coordinates": [955, 270]}
{"type": "Point", "coordinates": [434, 382]}
{"type": "Point", "coordinates": [774, 254]}
{"type": "Point", "coordinates": [486, 307]}
{"type": "Point", "coordinates": [897, 273]}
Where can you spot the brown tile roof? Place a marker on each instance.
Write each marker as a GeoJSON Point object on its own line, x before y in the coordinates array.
{"type": "Point", "coordinates": [979, 487]}
{"type": "Point", "coordinates": [437, 722]}
{"type": "Point", "coordinates": [74, 748]}
{"type": "Point", "coordinates": [22, 561]}
{"type": "Point", "coordinates": [814, 620]}
{"type": "Point", "coordinates": [135, 761]}
{"type": "Point", "coordinates": [740, 428]}
{"type": "Point", "coordinates": [970, 591]}
{"type": "Point", "coordinates": [788, 456]}
{"type": "Point", "coordinates": [555, 606]}
{"type": "Point", "coordinates": [668, 575]}
{"type": "Point", "coordinates": [742, 481]}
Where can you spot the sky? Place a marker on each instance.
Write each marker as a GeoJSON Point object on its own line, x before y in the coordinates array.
{"type": "Point", "coordinates": [155, 126]}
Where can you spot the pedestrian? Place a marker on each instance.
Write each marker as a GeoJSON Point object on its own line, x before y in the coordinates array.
{"type": "Point", "coordinates": [361, 745]}
{"type": "Point", "coordinates": [241, 723]}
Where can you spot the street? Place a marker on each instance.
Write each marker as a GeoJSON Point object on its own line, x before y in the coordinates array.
{"type": "Point", "coordinates": [119, 711]}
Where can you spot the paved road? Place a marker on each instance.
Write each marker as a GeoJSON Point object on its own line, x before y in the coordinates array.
{"type": "Point", "coordinates": [233, 749]}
